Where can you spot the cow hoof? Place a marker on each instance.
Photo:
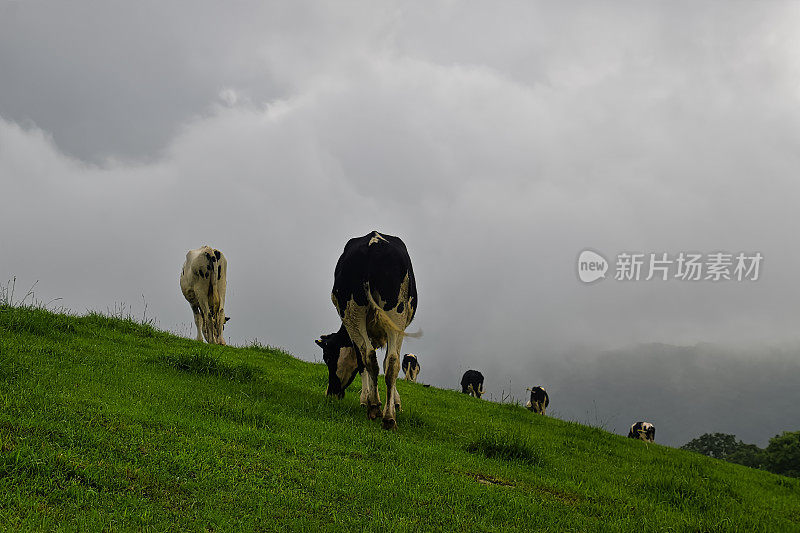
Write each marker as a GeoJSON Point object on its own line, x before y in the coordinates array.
{"type": "Point", "coordinates": [373, 412]}
{"type": "Point", "coordinates": [389, 424]}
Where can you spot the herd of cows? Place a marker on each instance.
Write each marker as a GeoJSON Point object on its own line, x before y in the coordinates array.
{"type": "Point", "coordinates": [375, 295]}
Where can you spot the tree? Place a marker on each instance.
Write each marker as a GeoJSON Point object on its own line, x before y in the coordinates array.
{"type": "Point", "coordinates": [726, 447]}
{"type": "Point", "coordinates": [716, 445]}
{"type": "Point", "coordinates": [747, 455]}
{"type": "Point", "coordinates": [782, 455]}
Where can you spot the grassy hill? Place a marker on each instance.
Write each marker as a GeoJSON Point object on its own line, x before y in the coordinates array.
{"type": "Point", "coordinates": [110, 424]}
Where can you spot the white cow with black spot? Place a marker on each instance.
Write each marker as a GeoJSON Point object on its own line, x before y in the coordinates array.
{"type": "Point", "coordinates": [203, 285]}
{"type": "Point", "coordinates": [644, 431]}
{"type": "Point", "coordinates": [411, 367]}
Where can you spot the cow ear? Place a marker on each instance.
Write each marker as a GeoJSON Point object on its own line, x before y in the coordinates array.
{"type": "Point", "coordinates": [319, 342]}
{"type": "Point", "coordinates": [227, 318]}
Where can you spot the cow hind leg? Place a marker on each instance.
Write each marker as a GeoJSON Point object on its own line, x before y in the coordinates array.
{"type": "Point", "coordinates": [373, 397]}
{"type": "Point", "coordinates": [355, 321]}
{"type": "Point", "coordinates": [369, 392]}
{"type": "Point", "coordinates": [391, 367]}
{"type": "Point", "coordinates": [205, 318]}
{"type": "Point", "coordinates": [198, 322]}
{"type": "Point", "coordinates": [364, 398]}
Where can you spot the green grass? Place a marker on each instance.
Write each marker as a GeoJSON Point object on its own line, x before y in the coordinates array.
{"type": "Point", "coordinates": [107, 424]}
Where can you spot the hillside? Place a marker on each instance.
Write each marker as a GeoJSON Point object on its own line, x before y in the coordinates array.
{"type": "Point", "coordinates": [110, 424]}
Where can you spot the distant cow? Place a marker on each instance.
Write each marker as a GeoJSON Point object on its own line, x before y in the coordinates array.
{"type": "Point", "coordinates": [375, 294]}
{"type": "Point", "coordinates": [410, 367]}
{"type": "Point", "coordinates": [203, 286]}
{"type": "Point", "coordinates": [472, 383]}
{"type": "Point", "coordinates": [644, 431]}
{"type": "Point", "coordinates": [539, 400]}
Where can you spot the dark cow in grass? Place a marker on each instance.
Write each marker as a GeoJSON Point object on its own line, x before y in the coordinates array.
{"type": "Point", "coordinates": [472, 383]}
{"type": "Point", "coordinates": [644, 431]}
{"type": "Point", "coordinates": [411, 367]}
{"type": "Point", "coordinates": [375, 294]}
{"type": "Point", "coordinates": [539, 400]}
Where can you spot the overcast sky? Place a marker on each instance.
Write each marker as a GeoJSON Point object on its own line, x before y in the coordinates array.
{"type": "Point", "coordinates": [497, 140]}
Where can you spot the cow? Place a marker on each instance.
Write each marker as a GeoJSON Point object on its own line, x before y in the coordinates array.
{"type": "Point", "coordinates": [411, 367]}
{"type": "Point", "coordinates": [472, 383]}
{"type": "Point", "coordinates": [644, 431]}
{"type": "Point", "coordinates": [203, 285]}
{"type": "Point", "coordinates": [375, 294]}
{"type": "Point", "coordinates": [539, 400]}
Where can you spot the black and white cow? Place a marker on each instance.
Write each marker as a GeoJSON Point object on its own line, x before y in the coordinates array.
{"type": "Point", "coordinates": [539, 400]}
{"type": "Point", "coordinates": [644, 431]}
{"type": "Point", "coordinates": [472, 383]}
{"type": "Point", "coordinates": [375, 294]}
{"type": "Point", "coordinates": [203, 283]}
{"type": "Point", "coordinates": [411, 367]}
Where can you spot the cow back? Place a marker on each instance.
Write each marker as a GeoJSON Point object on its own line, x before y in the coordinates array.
{"type": "Point", "coordinates": [380, 262]}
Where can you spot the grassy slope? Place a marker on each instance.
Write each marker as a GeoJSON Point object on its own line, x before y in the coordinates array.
{"type": "Point", "coordinates": [109, 424]}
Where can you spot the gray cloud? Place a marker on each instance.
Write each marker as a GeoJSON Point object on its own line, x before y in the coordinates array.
{"type": "Point", "coordinates": [496, 143]}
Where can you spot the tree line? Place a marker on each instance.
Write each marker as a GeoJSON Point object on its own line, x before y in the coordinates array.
{"type": "Point", "coordinates": [781, 456]}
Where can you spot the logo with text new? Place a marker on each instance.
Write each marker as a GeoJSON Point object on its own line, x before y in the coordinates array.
{"type": "Point", "coordinates": [591, 266]}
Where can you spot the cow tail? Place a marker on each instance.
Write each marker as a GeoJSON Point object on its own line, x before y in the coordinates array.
{"type": "Point", "coordinates": [213, 292]}
{"type": "Point", "coordinates": [384, 319]}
